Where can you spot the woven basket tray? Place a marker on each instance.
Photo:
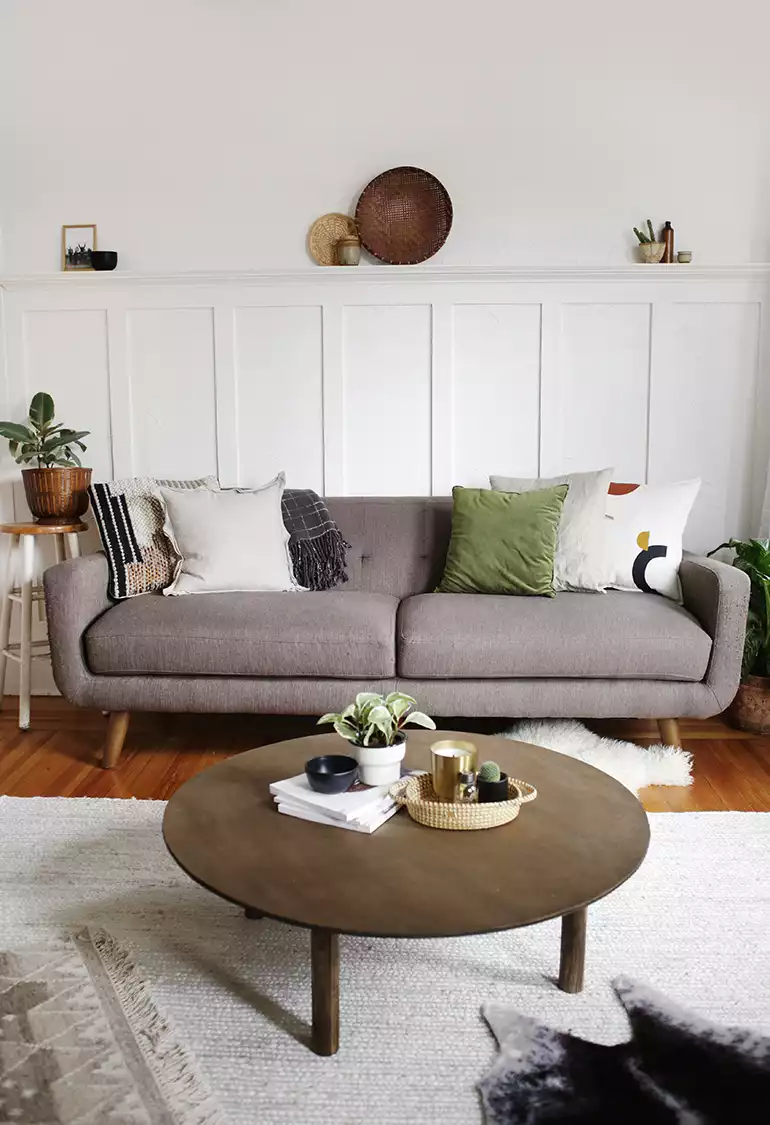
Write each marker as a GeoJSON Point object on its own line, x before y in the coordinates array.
{"type": "Point", "coordinates": [416, 794]}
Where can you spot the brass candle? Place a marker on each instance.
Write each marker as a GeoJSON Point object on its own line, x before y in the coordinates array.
{"type": "Point", "coordinates": [448, 759]}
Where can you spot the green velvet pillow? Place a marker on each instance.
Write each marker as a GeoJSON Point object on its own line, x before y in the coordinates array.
{"type": "Point", "coordinates": [502, 542]}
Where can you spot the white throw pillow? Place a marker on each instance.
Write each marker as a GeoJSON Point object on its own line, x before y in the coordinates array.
{"type": "Point", "coordinates": [229, 540]}
{"type": "Point", "coordinates": [580, 561]}
{"type": "Point", "coordinates": [644, 536]}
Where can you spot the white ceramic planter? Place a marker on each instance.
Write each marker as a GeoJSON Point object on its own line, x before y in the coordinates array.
{"type": "Point", "coordinates": [380, 765]}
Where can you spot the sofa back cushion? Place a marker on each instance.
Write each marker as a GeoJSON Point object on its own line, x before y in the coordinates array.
{"type": "Point", "coordinates": [398, 544]}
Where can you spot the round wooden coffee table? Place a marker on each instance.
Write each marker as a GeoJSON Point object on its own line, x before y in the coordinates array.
{"type": "Point", "coordinates": [583, 836]}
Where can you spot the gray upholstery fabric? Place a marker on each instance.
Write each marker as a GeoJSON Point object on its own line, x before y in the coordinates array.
{"type": "Point", "coordinates": [399, 546]}
{"type": "Point", "coordinates": [248, 634]}
{"type": "Point", "coordinates": [616, 635]}
{"type": "Point", "coordinates": [718, 596]}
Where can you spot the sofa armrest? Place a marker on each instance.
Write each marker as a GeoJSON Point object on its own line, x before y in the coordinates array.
{"type": "Point", "coordinates": [75, 596]}
{"type": "Point", "coordinates": [718, 595]}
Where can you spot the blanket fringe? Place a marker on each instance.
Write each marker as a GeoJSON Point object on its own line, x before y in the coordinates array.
{"type": "Point", "coordinates": [175, 1072]}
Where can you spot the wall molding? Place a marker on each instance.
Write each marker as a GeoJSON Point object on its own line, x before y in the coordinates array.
{"type": "Point", "coordinates": [377, 275]}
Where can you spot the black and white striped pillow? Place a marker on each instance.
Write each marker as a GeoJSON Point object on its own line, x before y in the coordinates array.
{"type": "Point", "coordinates": [130, 516]}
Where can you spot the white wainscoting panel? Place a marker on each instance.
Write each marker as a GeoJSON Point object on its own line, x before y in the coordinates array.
{"type": "Point", "coordinates": [173, 395]}
{"type": "Point", "coordinates": [387, 400]}
{"type": "Point", "coordinates": [703, 391]}
{"type": "Point", "coordinates": [603, 384]}
{"type": "Point", "coordinates": [66, 355]}
{"type": "Point", "coordinates": [279, 395]}
{"type": "Point", "coordinates": [398, 381]}
{"type": "Point", "coordinates": [496, 386]}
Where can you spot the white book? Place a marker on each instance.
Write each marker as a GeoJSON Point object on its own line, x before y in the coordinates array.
{"type": "Point", "coordinates": [318, 817]}
{"type": "Point", "coordinates": [341, 806]}
{"type": "Point", "coordinates": [371, 812]}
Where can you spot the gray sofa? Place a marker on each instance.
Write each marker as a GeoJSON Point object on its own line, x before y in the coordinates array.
{"type": "Point", "coordinates": [577, 655]}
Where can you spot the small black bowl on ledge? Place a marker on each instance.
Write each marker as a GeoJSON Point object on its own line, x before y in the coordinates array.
{"type": "Point", "coordinates": [331, 773]}
{"type": "Point", "coordinates": [104, 259]}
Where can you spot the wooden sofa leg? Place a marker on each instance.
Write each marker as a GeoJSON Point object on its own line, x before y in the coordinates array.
{"type": "Point", "coordinates": [117, 728]}
{"type": "Point", "coordinates": [669, 732]}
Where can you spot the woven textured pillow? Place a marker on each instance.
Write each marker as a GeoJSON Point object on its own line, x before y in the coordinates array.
{"type": "Point", "coordinates": [130, 516]}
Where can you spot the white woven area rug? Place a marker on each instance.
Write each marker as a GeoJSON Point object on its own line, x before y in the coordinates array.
{"type": "Point", "coordinates": [694, 922]}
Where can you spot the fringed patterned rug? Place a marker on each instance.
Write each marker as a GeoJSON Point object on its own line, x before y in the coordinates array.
{"type": "Point", "coordinates": [81, 1042]}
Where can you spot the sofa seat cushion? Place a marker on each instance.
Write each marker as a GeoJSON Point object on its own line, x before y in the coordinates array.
{"type": "Point", "coordinates": [616, 635]}
{"type": "Point", "coordinates": [247, 634]}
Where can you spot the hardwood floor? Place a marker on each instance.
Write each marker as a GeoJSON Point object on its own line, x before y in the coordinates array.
{"type": "Point", "coordinates": [58, 756]}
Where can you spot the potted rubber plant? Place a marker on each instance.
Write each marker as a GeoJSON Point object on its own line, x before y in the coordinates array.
{"type": "Point", "coordinates": [750, 710]}
{"type": "Point", "coordinates": [374, 725]}
{"type": "Point", "coordinates": [57, 487]}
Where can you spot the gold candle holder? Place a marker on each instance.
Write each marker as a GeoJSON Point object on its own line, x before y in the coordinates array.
{"type": "Point", "coordinates": [448, 759]}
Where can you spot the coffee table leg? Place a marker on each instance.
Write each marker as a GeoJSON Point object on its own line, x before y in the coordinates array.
{"type": "Point", "coordinates": [325, 961]}
{"type": "Point", "coordinates": [573, 950]}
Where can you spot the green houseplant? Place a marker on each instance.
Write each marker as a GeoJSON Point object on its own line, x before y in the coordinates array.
{"type": "Point", "coordinates": [374, 725]}
{"type": "Point", "coordinates": [57, 487]}
{"type": "Point", "coordinates": [750, 709]}
{"type": "Point", "coordinates": [650, 249]}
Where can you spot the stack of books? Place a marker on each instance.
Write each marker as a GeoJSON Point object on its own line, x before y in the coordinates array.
{"type": "Point", "coordinates": [361, 809]}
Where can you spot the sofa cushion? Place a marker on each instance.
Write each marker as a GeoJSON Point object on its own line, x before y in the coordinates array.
{"type": "Point", "coordinates": [607, 636]}
{"type": "Point", "coordinates": [247, 634]}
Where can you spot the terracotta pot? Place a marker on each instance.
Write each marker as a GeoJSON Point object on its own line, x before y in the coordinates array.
{"type": "Point", "coordinates": [57, 495]}
{"type": "Point", "coordinates": [750, 710]}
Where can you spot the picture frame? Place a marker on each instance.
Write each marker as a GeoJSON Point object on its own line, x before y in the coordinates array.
{"type": "Point", "coordinates": [77, 242]}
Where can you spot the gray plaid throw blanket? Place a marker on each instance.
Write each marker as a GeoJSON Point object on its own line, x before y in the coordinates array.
{"type": "Point", "coordinates": [316, 544]}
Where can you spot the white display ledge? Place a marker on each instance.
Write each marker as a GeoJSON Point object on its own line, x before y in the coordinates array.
{"type": "Point", "coordinates": [397, 275]}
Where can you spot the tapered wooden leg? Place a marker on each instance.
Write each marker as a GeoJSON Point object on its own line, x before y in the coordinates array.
{"type": "Point", "coordinates": [669, 732]}
{"type": "Point", "coordinates": [253, 914]}
{"type": "Point", "coordinates": [325, 960]}
{"type": "Point", "coordinates": [573, 951]}
{"type": "Point", "coordinates": [117, 728]}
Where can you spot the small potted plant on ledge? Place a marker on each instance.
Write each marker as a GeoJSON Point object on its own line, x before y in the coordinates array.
{"type": "Point", "coordinates": [650, 249]}
{"type": "Point", "coordinates": [374, 725]}
{"type": "Point", "coordinates": [750, 710]}
{"type": "Point", "coordinates": [57, 488]}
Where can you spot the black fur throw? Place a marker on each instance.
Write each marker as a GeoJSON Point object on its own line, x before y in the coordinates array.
{"type": "Point", "coordinates": [676, 1069]}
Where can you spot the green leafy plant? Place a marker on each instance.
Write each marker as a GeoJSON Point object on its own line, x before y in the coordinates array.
{"type": "Point", "coordinates": [489, 771]}
{"type": "Point", "coordinates": [43, 440]}
{"type": "Point", "coordinates": [647, 237]}
{"type": "Point", "coordinates": [753, 558]}
{"type": "Point", "coordinates": [377, 720]}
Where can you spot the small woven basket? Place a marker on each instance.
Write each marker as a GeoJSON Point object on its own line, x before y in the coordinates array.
{"type": "Point", "coordinates": [416, 794]}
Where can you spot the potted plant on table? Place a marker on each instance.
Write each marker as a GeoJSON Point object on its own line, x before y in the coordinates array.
{"type": "Point", "coordinates": [650, 249]}
{"type": "Point", "coordinates": [374, 724]}
{"type": "Point", "coordinates": [750, 710]}
{"type": "Point", "coordinates": [57, 488]}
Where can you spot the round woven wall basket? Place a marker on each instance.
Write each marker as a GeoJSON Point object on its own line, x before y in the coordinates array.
{"type": "Point", "coordinates": [324, 235]}
{"type": "Point", "coordinates": [404, 216]}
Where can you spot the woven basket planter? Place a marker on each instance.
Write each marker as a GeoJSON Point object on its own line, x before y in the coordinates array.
{"type": "Point", "coordinates": [750, 710]}
{"type": "Point", "coordinates": [422, 804]}
{"type": "Point", "coordinates": [57, 495]}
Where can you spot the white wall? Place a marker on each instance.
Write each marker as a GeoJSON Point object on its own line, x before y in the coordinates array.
{"type": "Point", "coordinates": [208, 134]}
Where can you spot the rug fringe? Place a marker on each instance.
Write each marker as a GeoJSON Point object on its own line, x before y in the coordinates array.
{"type": "Point", "coordinates": [173, 1067]}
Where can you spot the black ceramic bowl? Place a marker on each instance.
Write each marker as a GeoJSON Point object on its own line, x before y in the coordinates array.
{"type": "Point", "coordinates": [104, 259]}
{"type": "Point", "coordinates": [331, 773]}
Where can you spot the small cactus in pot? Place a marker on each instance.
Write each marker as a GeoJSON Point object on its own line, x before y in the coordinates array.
{"type": "Point", "coordinates": [492, 783]}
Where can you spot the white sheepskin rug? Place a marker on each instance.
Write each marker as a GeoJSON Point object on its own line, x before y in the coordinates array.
{"type": "Point", "coordinates": [633, 766]}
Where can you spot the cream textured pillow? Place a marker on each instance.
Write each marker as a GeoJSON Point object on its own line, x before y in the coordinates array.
{"type": "Point", "coordinates": [644, 540]}
{"type": "Point", "coordinates": [229, 540]}
{"type": "Point", "coordinates": [580, 562]}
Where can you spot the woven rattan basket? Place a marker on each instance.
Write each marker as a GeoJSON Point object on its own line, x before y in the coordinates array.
{"type": "Point", "coordinates": [417, 796]}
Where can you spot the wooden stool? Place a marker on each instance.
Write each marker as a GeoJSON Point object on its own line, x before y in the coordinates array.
{"type": "Point", "coordinates": [23, 537]}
